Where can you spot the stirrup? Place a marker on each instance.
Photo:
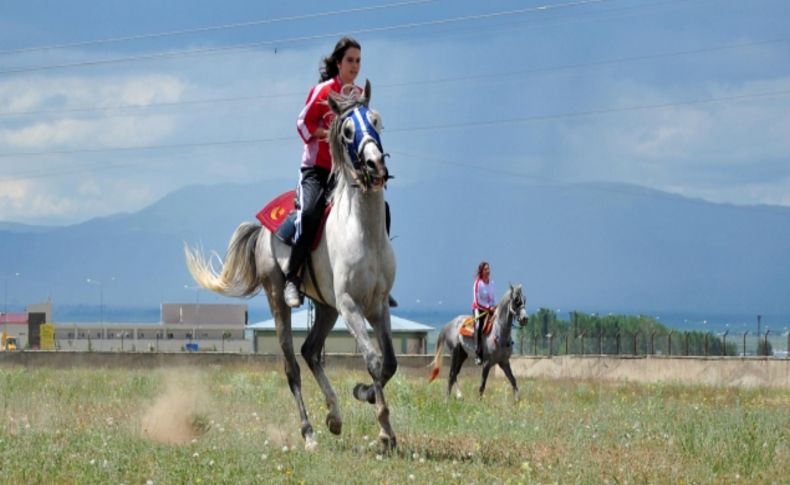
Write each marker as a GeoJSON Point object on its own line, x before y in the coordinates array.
{"type": "Point", "coordinates": [392, 301]}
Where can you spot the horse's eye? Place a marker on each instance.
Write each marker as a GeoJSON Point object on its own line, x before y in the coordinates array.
{"type": "Point", "coordinates": [348, 130]}
{"type": "Point", "coordinates": [374, 119]}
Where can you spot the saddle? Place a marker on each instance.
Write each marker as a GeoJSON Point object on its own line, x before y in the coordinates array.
{"type": "Point", "coordinates": [279, 216]}
{"type": "Point", "coordinates": [467, 328]}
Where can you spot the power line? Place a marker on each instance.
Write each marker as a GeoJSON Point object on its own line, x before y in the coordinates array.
{"type": "Point", "coordinates": [252, 45]}
{"type": "Point", "coordinates": [442, 80]}
{"type": "Point", "coordinates": [213, 28]}
{"type": "Point", "coordinates": [443, 126]}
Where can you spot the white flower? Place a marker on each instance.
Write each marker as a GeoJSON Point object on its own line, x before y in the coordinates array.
{"type": "Point", "coordinates": [93, 462]}
{"type": "Point", "coordinates": [285, 449]}
{"type": "Point", "coordinates": [149, 482]}
{"type": "Point", "coordinates": [379, 457]}
{"type": "Point", "coordinates": [211, 463]}
{"type": "Point", "coordinates": [264, 456]}
{"type": "Point", "coordinates": [195, 454]}
{"type": "Point", "coordinates": [411, 477]}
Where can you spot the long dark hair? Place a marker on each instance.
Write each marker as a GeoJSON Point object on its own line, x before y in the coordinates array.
{"type": "Point", "coordinates": [480, 268]}
{"type": "Point", "coordinates": [329, 68]}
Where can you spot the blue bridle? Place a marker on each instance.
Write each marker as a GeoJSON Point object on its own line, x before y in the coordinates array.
{"type": "Point", "coordinates": [364, 133]}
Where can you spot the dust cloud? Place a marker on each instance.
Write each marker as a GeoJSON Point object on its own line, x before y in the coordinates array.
{"type": "Point", "coordinates": [177, 415]}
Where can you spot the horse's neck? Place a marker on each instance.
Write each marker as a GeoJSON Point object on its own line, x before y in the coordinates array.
{"type": "Point", "coordinates": [361, 212]}
{"type": "Point", "coordinates": [504, 319]}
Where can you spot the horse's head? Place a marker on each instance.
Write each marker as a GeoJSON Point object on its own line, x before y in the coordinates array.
{"type": "Point", "coordinates": [354, 139]}
{"type": "Point", "coordinates": [518, 305]}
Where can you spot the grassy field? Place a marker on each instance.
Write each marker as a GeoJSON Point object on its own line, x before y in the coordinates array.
{"type": "Point", "coordinates": [239, 425]}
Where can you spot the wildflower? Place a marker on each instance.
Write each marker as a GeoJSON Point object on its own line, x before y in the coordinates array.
{"type": "Point", "coordinates": [93, 461]}
{"type": "Point", "coordinates": [264, 456]}
{"type": "Point", "coordinates": [379, 457]}
{"type": "Point", "coordinates": [211, 463]}
{"type": "Point", "coordinates": [285, 449]}
{"type": "Point", "coordinates": [149, 482]}
{"type": "Point", "coordinates": [195, 455]}
{"type": "Point", "coordinates": [411, 477]}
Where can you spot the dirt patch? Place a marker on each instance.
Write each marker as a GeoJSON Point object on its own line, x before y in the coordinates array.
{"type": "Point", "coordinates": [177, 415]}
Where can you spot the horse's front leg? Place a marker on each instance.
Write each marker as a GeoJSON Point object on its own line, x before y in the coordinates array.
{"type": "Point", "coordinates": [325, 318]}
{"type": "Point", "coordinates": [505, 366]}
{"type": "Point", "coordinates": [381, 369]}
{"type": "Point", "coordinates": [484, 378]}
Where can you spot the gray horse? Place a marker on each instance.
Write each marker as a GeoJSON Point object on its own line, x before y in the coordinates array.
{"type": "Point", "coordinates": [354, 268]}
{"type": "Point", "coordinates": [497, 345]}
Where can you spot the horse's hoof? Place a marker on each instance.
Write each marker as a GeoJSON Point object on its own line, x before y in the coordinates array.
{"type": "Point", "coordinates": [310, 444]}
{"type": "Point", "coordinates": [389, 443]}
{"type": "Point", "coordinates": [334, 423]}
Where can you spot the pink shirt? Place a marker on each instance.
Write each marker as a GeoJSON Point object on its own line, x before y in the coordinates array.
{"type": "Point", "coordinates": [483, 295]}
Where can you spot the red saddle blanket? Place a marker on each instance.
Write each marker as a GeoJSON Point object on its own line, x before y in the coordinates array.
{"type": "Point", "coordinates": [467, 328]}
{"type": "Point", "coordinates": [276, 217]}
{"type": "Point", "coordinates": [276, 211]}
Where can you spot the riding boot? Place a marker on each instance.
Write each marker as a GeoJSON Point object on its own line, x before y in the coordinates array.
{"type": "Point", "coordinates": [291, 294]}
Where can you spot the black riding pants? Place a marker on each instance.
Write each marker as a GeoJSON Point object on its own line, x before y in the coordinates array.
{"type": "Point", "coordinates": [312, 202]}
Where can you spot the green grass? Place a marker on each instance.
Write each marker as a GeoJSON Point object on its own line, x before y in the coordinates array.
{"type": "Point", "coordinates": [239, 425]}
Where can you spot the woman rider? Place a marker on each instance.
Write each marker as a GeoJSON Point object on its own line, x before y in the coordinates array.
{"type": "Point", "coordinates": [483, 304]}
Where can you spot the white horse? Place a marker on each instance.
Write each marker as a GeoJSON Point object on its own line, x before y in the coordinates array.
{"type": "Point", "coordinates": [497, 345]}
{"type": "Point", "coordinates": [354, 268]}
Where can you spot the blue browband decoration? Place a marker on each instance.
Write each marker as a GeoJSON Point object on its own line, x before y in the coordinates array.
{"type": "Point", "coordinates": [364, 132]}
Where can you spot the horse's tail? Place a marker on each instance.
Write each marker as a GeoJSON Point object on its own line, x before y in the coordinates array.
{"type": "Point", "coordinates": [238, 276]}
{"type": "Point", "coordinates": [437, 359]}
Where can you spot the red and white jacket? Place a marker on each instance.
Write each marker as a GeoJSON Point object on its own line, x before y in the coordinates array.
{"type": "Point", "coordinates": [483, 295]}
{"type": "Point", "coordinates": [317, 113]}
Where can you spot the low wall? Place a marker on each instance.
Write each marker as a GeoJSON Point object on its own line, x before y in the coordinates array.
{"type": "Point", "coordinates": [713, 371]}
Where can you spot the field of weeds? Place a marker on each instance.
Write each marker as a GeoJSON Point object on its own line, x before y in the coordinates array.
{"type": "Point", "coordinates": [239, 425]}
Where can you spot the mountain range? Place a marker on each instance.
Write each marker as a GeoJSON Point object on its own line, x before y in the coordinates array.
{"type": "Point", "coordinates": [589, 247]}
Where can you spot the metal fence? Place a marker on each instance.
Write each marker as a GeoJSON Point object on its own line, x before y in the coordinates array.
{"type": "Point", "coordinates": [640, 343]}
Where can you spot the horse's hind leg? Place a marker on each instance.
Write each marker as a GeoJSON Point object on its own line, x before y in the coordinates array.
{"type": "Point", "coordinates": [325, 318]}
{"type": "Point", "coordinates": [282, 318]}
{"type": "Point", "coordinates": [510, 377]}
{"type": "Point", "coordinates": [459, 356]}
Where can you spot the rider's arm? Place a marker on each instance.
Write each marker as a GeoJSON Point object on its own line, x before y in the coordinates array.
{"type": "Point", "coordinates": [311, 116]}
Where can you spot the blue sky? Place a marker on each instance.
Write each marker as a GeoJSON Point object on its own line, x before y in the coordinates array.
{"type": "Point", "coordinates": [106, 106]}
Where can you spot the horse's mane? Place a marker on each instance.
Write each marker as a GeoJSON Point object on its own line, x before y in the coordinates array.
{"type": "Point", "coordinates": [504, 302]}
{"type": "Point", "coordinates": [347, 100]}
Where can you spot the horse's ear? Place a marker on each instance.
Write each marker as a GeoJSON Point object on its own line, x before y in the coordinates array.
{"type": "Point", "coordinates": [333, 105]}
{"type": "Point", "coordinates": [366, 102]}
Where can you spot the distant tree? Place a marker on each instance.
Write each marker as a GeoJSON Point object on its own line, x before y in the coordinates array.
{"type": "Point", "coordinates": [764, 347]}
